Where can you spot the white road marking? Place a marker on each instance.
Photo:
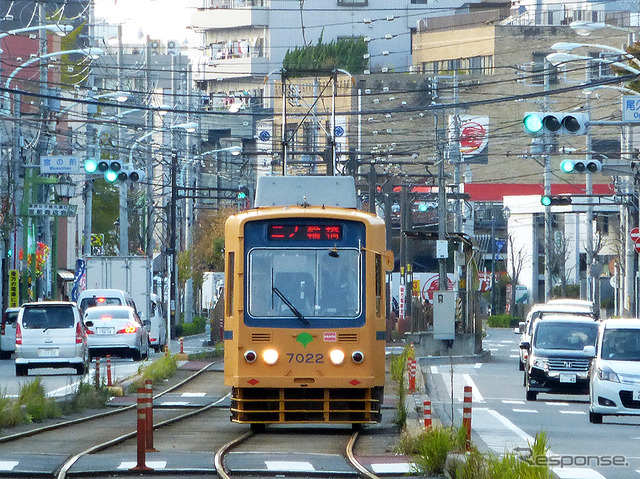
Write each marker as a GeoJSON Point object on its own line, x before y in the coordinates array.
{"type": "Point", "coordinates": [152, 464]}
{"type": "Point", "coordinates": [394, 467]}
{"type": "Point", "coordinates": [514, 356]}
{"type": "Point", "coordinates": [434, 369]}
{"type": "Point", "coordinates": [176, 403]}
{"type": "Point", "coordinates": [528, 411]}
{"type": "Point", "coordinates": [298, 466]}
{"type": "Point", "coordinates": [577, 473]}
{"type": "Point", "coordinates": [512, 401]}
{"type": "Point", "coordinates": [501, 435]}
{"type": "Point", "coordinates": [573, 412]}
{"type": "Point", "coordinates": [193, 395]}
{"type": "Point", "coordinates": [8, 465]}
{"type": "Point", "coordinates": [476, 397]}
{"type": "Point", "coordinates": [556, 403]}
{"type": "Point", "coordinates": [478, 365]}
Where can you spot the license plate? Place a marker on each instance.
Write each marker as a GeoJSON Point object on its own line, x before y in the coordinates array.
{"type": "Point", "coordinates": [48, 352]}
{"type": "Point", "coordinates": [636, 395]}
{"type": "Point", "coordinates": [105, 330]}
{"type": "Point", "coordinates": [567, 378]}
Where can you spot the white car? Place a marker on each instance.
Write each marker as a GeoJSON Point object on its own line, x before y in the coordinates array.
{"type": "Point", "coordinates": [51, 334]}
{"type": "Point", "coordinates": [615, 374]}
{"type": "Point", "coordinates": [8, 332]}
{"type": "Point", "coordinates": [117, 331]}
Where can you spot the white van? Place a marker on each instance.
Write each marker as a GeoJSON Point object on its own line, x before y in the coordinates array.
{"type": "Point", "coordinates": [156, 323]}
{"type": "Point", "coordinates": [51, 334]}
{"type": "Point", "coordinates": [105, 297]}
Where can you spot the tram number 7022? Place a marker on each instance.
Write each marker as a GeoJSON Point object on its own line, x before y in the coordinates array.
{"type": "Point", "coordinates": [306, 358]}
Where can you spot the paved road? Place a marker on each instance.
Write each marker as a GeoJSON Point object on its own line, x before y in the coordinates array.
{"type": "Point", "coordinates": [503, 420]}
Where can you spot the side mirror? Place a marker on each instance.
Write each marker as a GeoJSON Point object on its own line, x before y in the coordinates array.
{"type": "Point", "coordinates": [525, 345]}
{"type": "Point", "coordinates": [140, 314]}
{"type": "Point", "coordinates": [88, 324]}
{"type": "Point", "coordinates": [589, 351]}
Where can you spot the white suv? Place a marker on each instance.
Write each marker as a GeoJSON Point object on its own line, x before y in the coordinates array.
{"type": "Point", "coordinates": [51, 334]}
{"type": "Point", "coordinates": [615, 375]}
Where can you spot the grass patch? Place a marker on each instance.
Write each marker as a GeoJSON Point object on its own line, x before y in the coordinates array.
{"type": "Point", "coordinates": [33, 405]}
{"type": "Point", "coordinates": [398, 366]}
{"type": "Point", "coordinates": [157, 371]}
{"type": "Point", "coordinates": [431, 448]}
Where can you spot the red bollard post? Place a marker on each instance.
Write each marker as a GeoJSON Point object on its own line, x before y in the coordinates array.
{"type": "Point", "coordinates": [149, 416]}
{"type": "Point", "coordinates": [141, 407]}
{"type": "Point", "coordinates": [412, 375]}
{"type": "Point", "coordinates": [109, 383]}
{"type": "Point", "coordinates": [466, 414]}
{"type": "Point", "coordinates": [427, 414]}
{"type": "Point", "coordinates": [97, 372]}
{"type": "Point", "coordinates": [181, 345]}
{"type": "Point", "coordinates": [166, 350]}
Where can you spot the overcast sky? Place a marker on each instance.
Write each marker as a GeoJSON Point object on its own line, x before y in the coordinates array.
{"type": "Point", "coordinates": [160, 19]}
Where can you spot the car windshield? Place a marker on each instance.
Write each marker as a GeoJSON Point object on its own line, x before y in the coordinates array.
{"type": "Point", "coordinates": [621, 344]}
{"type": "Point", "coordinates": [49, 317]}
{"type": "Point", "coordinates": [570, 336]}
{"type": "Point", "coordinates": [315, 283]}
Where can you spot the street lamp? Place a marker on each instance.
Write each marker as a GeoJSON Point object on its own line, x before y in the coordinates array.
{"type": "Point", "coordinates": [563, 57]}
{"type": "Point", "coordinates": [570, 46]}
{"type": "Point", "coordinates": [65, 189]}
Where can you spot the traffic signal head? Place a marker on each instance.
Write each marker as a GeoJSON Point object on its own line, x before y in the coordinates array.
{"type": "Point", "coordinates": [135, 176]}
{"type": "Point", "coordinates": [581, 166]}
{"type": "Point", "coordinates": [90, 165]}
{"type": "Point", "coordinates": [537, 123]}
{"type": "Point", "coordinates": [558, 200]}
{"type": "Point", "coordinates": [243, 193]}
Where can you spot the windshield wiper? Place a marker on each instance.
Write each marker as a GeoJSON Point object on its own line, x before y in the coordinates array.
{"type": "Point", "coordinates": [289, 305]}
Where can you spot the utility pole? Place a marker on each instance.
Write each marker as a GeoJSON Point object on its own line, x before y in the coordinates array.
{"type": "Point", "coordinates": [123, 188]}
{"type": "Point", "coordinates": [173, 294]}
{"type": "Point", "coordinates": [546, 147]}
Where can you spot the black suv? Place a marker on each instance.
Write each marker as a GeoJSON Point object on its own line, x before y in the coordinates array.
{"type": "Point", "coordinates": [559, 355]}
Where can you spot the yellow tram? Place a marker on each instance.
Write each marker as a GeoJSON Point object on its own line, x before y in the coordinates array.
{"type": "Point", "coordinates": [304, 327]}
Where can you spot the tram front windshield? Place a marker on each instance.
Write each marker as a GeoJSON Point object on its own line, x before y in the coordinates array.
{"type": "Point", "coordinates": [316, 283]}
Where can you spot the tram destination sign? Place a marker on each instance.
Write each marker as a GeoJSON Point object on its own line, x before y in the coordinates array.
{"type": "Point", "coordinates": [52, 209]}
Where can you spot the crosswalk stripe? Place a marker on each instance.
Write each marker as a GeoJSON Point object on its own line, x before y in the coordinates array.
{"type": "Point", "coordinates": [297, 466]}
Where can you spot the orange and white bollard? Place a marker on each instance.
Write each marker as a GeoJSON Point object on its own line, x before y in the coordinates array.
{"type": "Point", "coordinates": [141, 407]}
{"type": "Point", "coordinates": [426, 410]}
{"type": "Point", "coordinates": [109, 381]}
{"type": "Point", "coordinates": [181, 345]}
{"type": "Point", "coordinates": [466, 414]}
{"type": "Point", "coordinates": [166, 350]}
{"type": "Point", "coordinates": [97, 372]}
{"type": "Point", "coordinates": [149, 416]}
{"type": "Point", "coordinates": [412, 375]}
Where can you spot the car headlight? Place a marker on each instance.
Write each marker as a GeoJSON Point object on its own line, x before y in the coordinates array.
{"type": "Point", "coordinates": [337, 356]}
{"type": "Point", "coordinates": [540, 362]}
{"type": "Point", "coordinates": [605, 373]}
{"type": "Point", "coordinates": [270, 356]}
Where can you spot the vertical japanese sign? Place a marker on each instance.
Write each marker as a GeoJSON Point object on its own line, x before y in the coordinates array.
{"type": "Point", "coordinates": [14, 289]}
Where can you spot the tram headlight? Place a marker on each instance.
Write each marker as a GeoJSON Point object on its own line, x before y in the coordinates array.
{"type": "Point", "coordinates": [270, 356]}
{"type": "Point", "coordinates": [336, 356]}
{"type": "Point", "coordinates": [357, 357]}
{"type": "Point", "coordinates": [250, 356]}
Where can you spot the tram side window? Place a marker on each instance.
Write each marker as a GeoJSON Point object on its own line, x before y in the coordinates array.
{"type": "Point", "coordinates": [229, 282]}
{"type": "Point", "coordinates": [378, 284]}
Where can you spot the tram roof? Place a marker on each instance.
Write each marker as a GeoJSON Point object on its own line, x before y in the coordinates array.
{"type": "Point", "coordinates": [338, 191]}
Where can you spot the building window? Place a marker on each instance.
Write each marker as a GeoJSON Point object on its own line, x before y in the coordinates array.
{"type": "Point", "coordinates": [537, 70]}
{"type": "Point", "coordinates": [353, 3]}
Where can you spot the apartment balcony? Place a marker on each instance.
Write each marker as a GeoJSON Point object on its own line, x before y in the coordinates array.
{"type": "Point", "coordinates": [231, 14]}
{"type": "Point", "coordinates": [229, 68]}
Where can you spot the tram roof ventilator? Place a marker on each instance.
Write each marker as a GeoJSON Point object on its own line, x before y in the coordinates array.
{"type": "Point", "coordinates": [337, 191]}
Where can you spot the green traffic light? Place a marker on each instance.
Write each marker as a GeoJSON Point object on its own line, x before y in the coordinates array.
{"type": "Point", "coordinates": [567, 166]}
{"type": "Point", "coordinates": [545, 200]}
{"type": "Point", "coordinates": [90, 166]}
{"type": "Point", "coordinates": [110, 176]}
{"type": "Point", "coordinates": [422, 207]}
{"type": "Point", "coordinates": [532, 123]}
{"type": "Point", "coordinates": [242, 195]}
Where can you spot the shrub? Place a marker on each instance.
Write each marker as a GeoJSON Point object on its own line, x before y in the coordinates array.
{"type": "Point", "coordinates": [189, 329]}
{"type": "Point", "coordinates": [434, 446]}
{"type": "Point", "coordinates": [503, 321]}
{"type": "Point", "coordinates": [36, 404]}
{"type": "Point", "coordinates": [88, 397]}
